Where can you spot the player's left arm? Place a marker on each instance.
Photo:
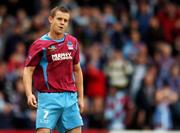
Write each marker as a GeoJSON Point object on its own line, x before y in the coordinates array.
{"type": "Point", "coordinates": [79, 84]}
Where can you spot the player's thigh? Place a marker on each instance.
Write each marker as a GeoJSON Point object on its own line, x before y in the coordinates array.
{"type": "Point", "coordinates": [75, 130]}
{"type": "Point", "coordinates": [47, 118]}
{"type": "Point", "coordinates": [43, 130]}
{"type": "Point", "coordinates": [71, 119]}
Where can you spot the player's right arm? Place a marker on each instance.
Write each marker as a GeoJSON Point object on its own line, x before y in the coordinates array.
{"type": "Point", "coordinates": [32, 60]}
{"type": "Point", "coordinates": [27, 80]}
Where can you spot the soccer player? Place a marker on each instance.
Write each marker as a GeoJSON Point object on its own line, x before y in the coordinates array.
{"type": "Point", "coordinates": [53, 63]}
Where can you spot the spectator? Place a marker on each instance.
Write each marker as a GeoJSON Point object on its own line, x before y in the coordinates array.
{"type": "Point", "coordinates": [167, 18]}
{"type": "Point", "coordinates": [132, 45]}
{"type": "Point", "coordinates": [145, 100]}
{"type": "Point", "coordinates": [165, 63]}
{"type": "Point", "coordinates": [20, 117]}
{"type": "Point", "coordinates": [118, 109]}
{"type": "Point", "coordinates": [11, 41]}
{"type": "Point", "coordinates": [118, 71]}
{"type": "Point", "coordinates": [140, 69]}
{"type": "Point", "coordinates": [143, 16]}
{"type": "Point", "coordinates": [154, 34]}
{"type": "Point", "coordinates": [95, 88]}
{"type": "Point", "coordinates": [163, 115]}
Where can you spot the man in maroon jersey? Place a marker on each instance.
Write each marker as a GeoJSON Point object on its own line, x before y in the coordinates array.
{"type": "Point", "coordinates": [53, 63]}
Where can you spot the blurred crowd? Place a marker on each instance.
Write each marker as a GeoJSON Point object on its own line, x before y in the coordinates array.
{"type": "Point", "coordinates": [130, 56]}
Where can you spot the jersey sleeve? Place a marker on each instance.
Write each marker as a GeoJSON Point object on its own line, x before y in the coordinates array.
{"type": "Point", "coordinates": [34, 56]}
{"type": "Point", "coordinates": [33, 61]}
{"type": "Point", "coordinates": [76, 57]}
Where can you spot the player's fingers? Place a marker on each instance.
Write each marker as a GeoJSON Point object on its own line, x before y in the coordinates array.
{"type": "Point", "coordinates": [34, 102]}
{"type": "Point", "coordinates": [31, 104]}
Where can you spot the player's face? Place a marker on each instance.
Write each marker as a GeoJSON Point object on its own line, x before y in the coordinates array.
{"type": "Point", "coordinates": [59, 22]}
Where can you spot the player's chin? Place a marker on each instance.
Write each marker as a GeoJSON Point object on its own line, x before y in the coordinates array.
{"type": "Point", "coordinates": [60, 32]}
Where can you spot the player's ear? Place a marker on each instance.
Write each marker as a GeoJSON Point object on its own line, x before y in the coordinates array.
{"type": "Point", "coordinates": [50, 18]}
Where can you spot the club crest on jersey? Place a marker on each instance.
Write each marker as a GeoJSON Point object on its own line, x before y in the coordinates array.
{"type": "Point", "coordinates": [70, 45]}
{"type": "Point", "coordinates": [51, 48]}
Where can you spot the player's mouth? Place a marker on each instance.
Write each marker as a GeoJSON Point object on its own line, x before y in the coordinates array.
{"type": "Point", "coordinates": [61, 28]}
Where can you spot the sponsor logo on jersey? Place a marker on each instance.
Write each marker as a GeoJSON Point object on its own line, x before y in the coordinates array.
{"type": "Point", "coordinates": [62, 56]}
{"type": "Point", "coordinates": [70, 45]}
{"type": "Point", "coordinates": [51, 48]}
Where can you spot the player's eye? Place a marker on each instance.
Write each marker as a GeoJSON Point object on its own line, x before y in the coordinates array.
{"type": "Point", "coordinates": [59, 18]}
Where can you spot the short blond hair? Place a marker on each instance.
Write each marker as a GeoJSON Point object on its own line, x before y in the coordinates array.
{"type": "Point", "coordinates": [58, 8]}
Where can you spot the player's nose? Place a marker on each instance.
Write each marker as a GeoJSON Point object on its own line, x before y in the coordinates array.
{"type": "Point", "coordinates": [62, 22]}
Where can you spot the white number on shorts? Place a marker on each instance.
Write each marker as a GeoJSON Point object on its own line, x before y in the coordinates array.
{"type": "Point", "coordinates": [45, 114]}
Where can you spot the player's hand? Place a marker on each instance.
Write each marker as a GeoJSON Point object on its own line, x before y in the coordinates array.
{"type": "Point", "coordinates": [81, 104]}
{"type": "Point", "coordinates": [31, 100]}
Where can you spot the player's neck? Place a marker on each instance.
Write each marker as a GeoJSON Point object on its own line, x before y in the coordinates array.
{"type": "Point", "coordinates": [55, 36]}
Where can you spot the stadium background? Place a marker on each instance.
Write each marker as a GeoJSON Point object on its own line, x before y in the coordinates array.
{"type": "Point", "coordinates": [130, 56]}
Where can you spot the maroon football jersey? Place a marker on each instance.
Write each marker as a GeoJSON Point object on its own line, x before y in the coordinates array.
{"type": "Point", "coordinates": [54, 60]}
